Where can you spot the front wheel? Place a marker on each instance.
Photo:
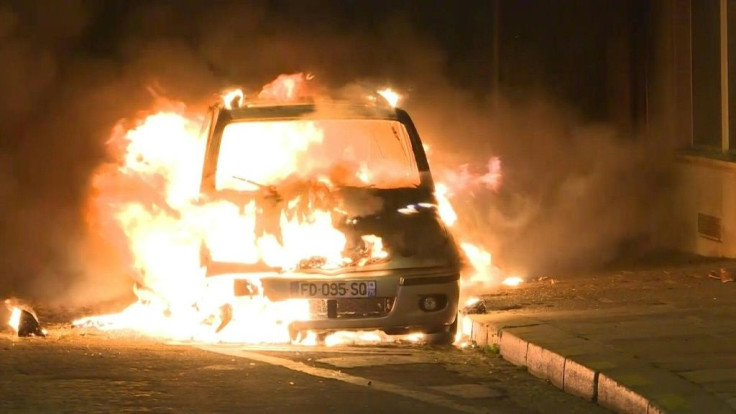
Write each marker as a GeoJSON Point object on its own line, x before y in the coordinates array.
{"type": "Point", "coordinates": [443, 338]}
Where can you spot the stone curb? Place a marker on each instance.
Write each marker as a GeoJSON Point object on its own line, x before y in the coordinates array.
{"type": "Point", "coordinates": [564, 373]}
{"type": "Point", "coordinates": [577, 372]}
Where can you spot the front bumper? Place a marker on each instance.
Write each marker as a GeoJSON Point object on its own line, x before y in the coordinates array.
{"type": "Point", "coordinates": [400, 291]}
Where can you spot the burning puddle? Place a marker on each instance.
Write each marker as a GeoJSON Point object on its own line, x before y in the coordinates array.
{"type": "Point", "coordinates": [148, 204]}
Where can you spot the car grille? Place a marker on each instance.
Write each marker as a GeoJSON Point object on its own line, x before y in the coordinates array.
{"type": "Point", "coordinates": [350, 308]}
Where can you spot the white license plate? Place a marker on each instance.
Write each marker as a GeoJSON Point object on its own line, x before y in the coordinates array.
{"type": "Point", "coordinates": [336, 289]}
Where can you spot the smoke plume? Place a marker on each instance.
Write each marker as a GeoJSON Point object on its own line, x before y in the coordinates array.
{"type": "Point", "coordinates": [573, 192]}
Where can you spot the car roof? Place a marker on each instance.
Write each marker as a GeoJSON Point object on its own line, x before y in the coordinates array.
{"type": "Point", "coordinates": [318, 110]}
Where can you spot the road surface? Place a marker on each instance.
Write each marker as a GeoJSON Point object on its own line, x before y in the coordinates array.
{"type": "Point", "coordinates": [75, 370]}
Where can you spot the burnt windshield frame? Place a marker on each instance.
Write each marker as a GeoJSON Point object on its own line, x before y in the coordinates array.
{"type": "Point", "coordinates": [224, 117]}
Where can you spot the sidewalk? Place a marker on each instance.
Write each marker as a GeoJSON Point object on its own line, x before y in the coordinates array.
{"type": "Point", "coordinates": [652, 340]}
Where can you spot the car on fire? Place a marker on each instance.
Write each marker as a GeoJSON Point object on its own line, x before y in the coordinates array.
{"type": "Point", "coordinates": [361, 167]}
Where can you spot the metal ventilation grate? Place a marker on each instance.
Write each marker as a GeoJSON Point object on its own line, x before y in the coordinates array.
{"type": "Point", "coordinates": [709, 227]}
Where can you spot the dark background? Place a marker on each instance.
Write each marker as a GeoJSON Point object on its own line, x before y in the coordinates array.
{"type": "Point", "coordinates": [563, 112]}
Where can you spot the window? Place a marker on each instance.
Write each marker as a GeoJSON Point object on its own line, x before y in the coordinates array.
{"type": "Point", "coordinates": [347, 152]}
{"type": "Point", "coordinates": [706, 73]}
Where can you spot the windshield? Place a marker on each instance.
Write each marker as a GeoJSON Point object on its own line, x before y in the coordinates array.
{"type": "Point", "coordinates": [346, 152]}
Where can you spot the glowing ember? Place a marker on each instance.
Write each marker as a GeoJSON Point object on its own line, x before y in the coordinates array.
{"type": "Point", "coordinates": [512, 281]}
{"type": "Point", "coordinates": [390, 96]}
{"type": "Point", "coordinates": [343, 338]}
{"type": "Point", "coordinates": [366, 338]}
{"type": "Point", "coordinates": [472, 301]}
{"type": "Point", "coordinates": [23, 319]}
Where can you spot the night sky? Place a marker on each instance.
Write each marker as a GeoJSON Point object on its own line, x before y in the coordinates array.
{"type": "Point", "coordinates": [558, 45]}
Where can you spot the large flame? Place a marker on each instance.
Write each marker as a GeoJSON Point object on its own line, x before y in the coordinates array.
{"type": "Point", "coordinates": [153, 198]}
{"type": "Point", "coordinates": [392, 97]}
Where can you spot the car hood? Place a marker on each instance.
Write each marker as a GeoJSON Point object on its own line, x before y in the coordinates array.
{"type": "Point", "coordinates": [406, 220]}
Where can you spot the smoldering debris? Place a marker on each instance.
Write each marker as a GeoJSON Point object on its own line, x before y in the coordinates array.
{"type": "Point", "coordinates": [724, 275]}
{"type": "Point", "coordinates": [28, 325]}
{"type": "Point", "coordinates": [475, 307]}
{"type": "Point", "coordinates": [23, 320]}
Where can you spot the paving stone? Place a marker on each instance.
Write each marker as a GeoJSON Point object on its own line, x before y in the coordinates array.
{"type": "Point", "coordinates": [652, 348]}
{"type": "Point", "coordinates": [374, 360]}
{"type": "Point", "coordinates": [618, 397]}
{"type": "Point", "coordinates": [480, 332]}
{"type": "Point", "coordinates": [632, 360]}
{"type": "Point", "coordinates": [662, 326]}
{"type": "Point", "coordinates": [604, 359]}
{"type": "Point", "coordinates": [579, 380]}
{"type": "Point", "coordinates": [703, 359]}
{"type": "Point", "coordinates": [546, 364]}
{"type": "Point", "coordinates": [724, 387]}
{"type": "Point", "coordinates": [653, 409]}
{"type": "Point", "coordinates": [661, 388]}
{"type": "Point", "coordinates": [513, 348]}
{"type": "Point", "coordinates": [710, 375]}
{"type": "Point", "coordinates": [469, 391]}
{"type": "Point", "coordinates": [698, 403]}
{"type": "Point", "coordinates": [501, 320]}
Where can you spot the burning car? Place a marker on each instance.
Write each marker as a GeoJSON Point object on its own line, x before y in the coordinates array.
{"type": "Point", "coordinates": [331, 204]}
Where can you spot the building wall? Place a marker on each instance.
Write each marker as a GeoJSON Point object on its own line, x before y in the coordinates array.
{"type": "Point", "coordinates": [708, 199]}
{"type": "Point", "coordinates": [695, 45]}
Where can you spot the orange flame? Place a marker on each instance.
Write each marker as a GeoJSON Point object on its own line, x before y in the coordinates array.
{"type": "Point", "coordinates": [233, 99]}
{"type": "Point", "coordinates": [512, 281]}
{"type": "Point", "coordinates": [154, 199]}
{"type": "Point", "coordinates": [166, 224]}
{"type": "Point", "coordinates": [14, 321]}
{"type": "Point", "coordinates": [444, 207]}
{"type": "Point", "coordinates": [391, 96]}
{"type": "Point", "coordinates": [286, 88]}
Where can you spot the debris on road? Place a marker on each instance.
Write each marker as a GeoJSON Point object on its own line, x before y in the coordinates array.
{"type": "Point", "coordinates": [724, 275]}
{"type": "Point", "coordinates": [23, 319]}
{"type": "Point", "coordinates": [547, 279]}
{"type": "Point", "coordinates": [474, 307]}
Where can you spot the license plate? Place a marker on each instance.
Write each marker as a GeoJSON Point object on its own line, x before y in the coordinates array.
{"type": "Point", "coordinates": [337, 289]}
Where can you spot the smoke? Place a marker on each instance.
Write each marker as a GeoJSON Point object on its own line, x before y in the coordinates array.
{"type": "Point", "coordinates": [574, 194]}
{"type": "Point", "coordinates": [41, 182]}
{"type": "Point", "coordinates": [69, 75]}
{"type": "Point", "coordinates": [571, 192]}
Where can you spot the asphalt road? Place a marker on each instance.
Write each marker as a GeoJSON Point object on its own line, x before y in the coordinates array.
{"type": "Point", "coordinates": [89, 371]}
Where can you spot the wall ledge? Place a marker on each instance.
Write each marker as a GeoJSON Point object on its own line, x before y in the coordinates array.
{"type": "Point", "coordinates": [708, 159]}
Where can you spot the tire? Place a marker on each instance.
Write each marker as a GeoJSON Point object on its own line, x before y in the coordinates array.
{"type": "Point", "coordinates": [443, 338]}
